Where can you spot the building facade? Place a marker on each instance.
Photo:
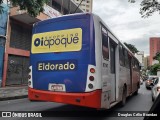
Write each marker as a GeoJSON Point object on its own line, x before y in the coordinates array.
{"type": "Point", "coordinates": [154, 48]}
{"type": "Point", "coordinates": [18, 41]}
{"type": "Point", "coordinates": [146, 62]}
{"type": "Point", "coordinates": [140, 57]}
{"type": "Point", "coordinates": [86, 5]}
{"type": "Point", "coordinates": [3, 26]}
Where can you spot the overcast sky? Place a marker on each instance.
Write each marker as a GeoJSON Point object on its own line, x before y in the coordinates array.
{"type": "Point", "coordinates": [125, 21]}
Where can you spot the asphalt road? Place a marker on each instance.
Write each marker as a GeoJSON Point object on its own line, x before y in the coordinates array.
{"type": "Point", "coordinates": [140, 102]}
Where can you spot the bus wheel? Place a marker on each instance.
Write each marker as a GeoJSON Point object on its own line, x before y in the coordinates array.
{"type": "Point", "coordinates": [123, 102]}
{"type": "Point", "coordinates": [136, 92]}
{"type": "Point", "coordinates": [152, 99]}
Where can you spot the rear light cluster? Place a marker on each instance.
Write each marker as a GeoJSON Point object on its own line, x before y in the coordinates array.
{"type": "Point", "coordinates": [30, 78]}
{"type": "Point", "coordinates": [91, 78]}
{"type": "Point", "coordinates": [158, 89]}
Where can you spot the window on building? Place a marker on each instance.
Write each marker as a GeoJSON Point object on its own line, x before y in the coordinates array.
{"type": "Point", "coordinates": [20, 36]}
{"type": "Point", "coordinates": [87, 6]}
{"type": "Point", "coordinates": [87, 10]}
{"type": "Point", "coordinates": [88, 1]}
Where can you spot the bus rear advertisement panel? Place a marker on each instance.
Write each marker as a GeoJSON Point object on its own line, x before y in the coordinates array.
{"type": "Point", "coordinates": [62, 50]}
{"type": "Point", "coordinates": [57, 41]}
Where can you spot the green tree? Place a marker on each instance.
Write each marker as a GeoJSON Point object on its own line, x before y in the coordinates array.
{"type": "Point", "coordinates": [33, 7]}
{"type": "Point", "coordinates": [148, 7]}
{"type": "Point", "coordinates": [131, 47]}
{"type": "Point", "coordinates": [154, 68]}
{"type": "Point", "coordinates": [157, 57]}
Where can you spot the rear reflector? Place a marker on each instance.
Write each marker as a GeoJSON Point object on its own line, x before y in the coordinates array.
{"type": "Point", "coordinates": [90, 86]}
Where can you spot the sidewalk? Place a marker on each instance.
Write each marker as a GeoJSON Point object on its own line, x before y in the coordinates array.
{"type": "Point", "coordinates": [8, 93]}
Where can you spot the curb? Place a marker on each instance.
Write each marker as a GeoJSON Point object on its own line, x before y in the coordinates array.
{"type": "Point", "coordinates": [14, 97]}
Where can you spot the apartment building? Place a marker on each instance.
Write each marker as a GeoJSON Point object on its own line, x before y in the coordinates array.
{"type": "Point", "coordinates": [154, 48]}
{"type": "Point", "coordinates": [86, 5]}
{"type": "Point", "coordinates": [18, 40]}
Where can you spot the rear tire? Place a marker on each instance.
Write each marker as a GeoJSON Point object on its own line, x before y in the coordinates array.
{"type": "Point", "coordinates": [136, 93]}
{"type": "Point", "coordinates": [152, 99]}
{"type": "Point", "coordinates": [123, 102]}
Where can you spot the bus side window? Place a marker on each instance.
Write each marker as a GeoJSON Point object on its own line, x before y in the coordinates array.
{"type": "Point", "coordinates": [105, 50]}
{"type": "Point", "coordinates": [126, 59]}
{"type": "Point", "coordinates": [137, 66]}
{"type": "Point", "coordinates": [134, 64]}
{"type": "Point", "coordinates": [121, 55]}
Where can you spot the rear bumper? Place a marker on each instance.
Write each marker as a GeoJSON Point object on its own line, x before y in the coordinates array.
{"type": "Point", "coordinates": [91, 99]}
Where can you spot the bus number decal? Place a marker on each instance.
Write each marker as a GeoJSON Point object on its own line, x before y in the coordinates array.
{"type": "Point", "coordinates": [57, 41]}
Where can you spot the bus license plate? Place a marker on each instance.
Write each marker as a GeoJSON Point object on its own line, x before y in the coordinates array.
{"type": "Point", "coordinates": [57, 87]}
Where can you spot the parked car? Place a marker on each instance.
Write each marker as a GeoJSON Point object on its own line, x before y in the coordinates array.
{"type": "Point", "coordinates": [145, 78]}
{"type": "Point", "coordinates": [155, 88]}
{"type": "Point", "coordinates": [149, 81]}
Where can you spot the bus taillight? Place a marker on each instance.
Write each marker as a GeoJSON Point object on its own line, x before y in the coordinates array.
{"type": "Point", "coordinates": [29, 70]}
{"type": "Point", "coordinates": [91, 78]}
{"type": "Point", "coordinates": [92, 70]}
{"type": "Point", "coordinates": [29, 76]}
{"type": "Point", "coordinates": [29, 83]}
{"type": "Point", "coordinates": [90, 86]}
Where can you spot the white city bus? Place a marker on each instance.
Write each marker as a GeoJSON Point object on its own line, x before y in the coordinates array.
{"type": "Point", "coordinates": [101, 71]}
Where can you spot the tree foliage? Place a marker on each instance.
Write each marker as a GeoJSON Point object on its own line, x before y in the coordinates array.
{"type": "Point", "coordinates": [148, 7]}
{"type": "Point", "coordinates": [1, 7]}
{"type": "Point", "coordinates": [33, 7]}
{"type": "Point", "coordinates": [131, 47]}
{"type": "Point", "coordinates": [157, 57]}
{"type": "Point", "coordinates": [154, 68]}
